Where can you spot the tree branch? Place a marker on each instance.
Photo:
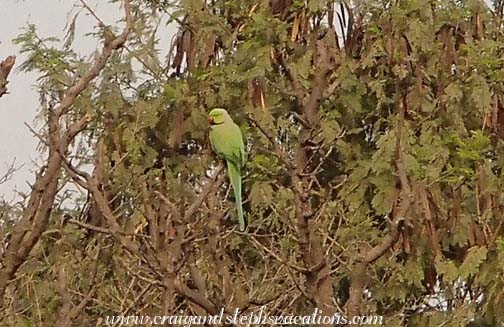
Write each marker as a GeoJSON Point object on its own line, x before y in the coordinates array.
{"type": "Point", "coordinates": [5, 69]}
{"type": "Point", "coordinates": [216, 182]}
{"type": "Point", "coordinates": [358, 276]}
{"type": "Point", "coordinates": [116, 43]}
{"type": "Point", "coordinates": [28, 230]}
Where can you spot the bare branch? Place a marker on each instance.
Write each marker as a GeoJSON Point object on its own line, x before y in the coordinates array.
{"type": "Point", "coordinates": [358, 276]}
{"type": "Point", "coordinates": [5, 69]}
{"type": "Point", "coordinates": [196, 297]}
{"type": "Point", "coordinates": [90, 227]}
{"type": "Point", "coordinates": [116, 43]}
{"type": "Point", "coordinates": [216, 182]}
{"type": "Point", "coordinates": [11, 170]}
{"type": "Point", "coordinates": [102, 24]}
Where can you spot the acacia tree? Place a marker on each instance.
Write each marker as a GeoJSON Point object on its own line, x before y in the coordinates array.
{"type": "Point", "coordinates": [374, 135]}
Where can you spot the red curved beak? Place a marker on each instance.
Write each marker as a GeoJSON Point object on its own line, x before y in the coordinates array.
{"type": "Point", "coordinates": [211, 120]}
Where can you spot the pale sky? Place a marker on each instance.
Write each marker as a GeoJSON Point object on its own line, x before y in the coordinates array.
{"type": "Point", "coordinates": [20, 106]}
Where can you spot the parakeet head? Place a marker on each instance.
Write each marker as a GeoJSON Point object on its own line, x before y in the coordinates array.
{"type": "Point", "coordinates": [218, 116]}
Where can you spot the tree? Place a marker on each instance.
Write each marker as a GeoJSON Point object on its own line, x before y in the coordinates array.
{"type": "Point", "coordinates": [374, 134]}
{"type": "Point", "coordinates": [5, 68]}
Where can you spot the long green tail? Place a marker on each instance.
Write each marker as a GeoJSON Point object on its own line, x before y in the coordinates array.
{"type": "Point", "coordinates": [235, 178]}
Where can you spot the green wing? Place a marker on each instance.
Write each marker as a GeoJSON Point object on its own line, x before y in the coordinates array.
{"type": "Point", "coordinates": [227, 142]}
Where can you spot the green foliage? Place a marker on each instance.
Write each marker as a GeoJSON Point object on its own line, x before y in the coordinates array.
{"type": "Point", "coordinates": [416, 89]}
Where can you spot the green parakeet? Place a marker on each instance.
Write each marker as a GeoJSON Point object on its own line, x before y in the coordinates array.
{"type": "Point", "coordinates": [227, 142]}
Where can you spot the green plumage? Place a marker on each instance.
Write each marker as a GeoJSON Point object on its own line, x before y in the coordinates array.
{"type": "Point", "coordinates": [227, 142]}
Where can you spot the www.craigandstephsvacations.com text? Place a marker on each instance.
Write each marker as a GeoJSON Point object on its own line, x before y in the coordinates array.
{"type": "Point", "coordinates": [249, 319]}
